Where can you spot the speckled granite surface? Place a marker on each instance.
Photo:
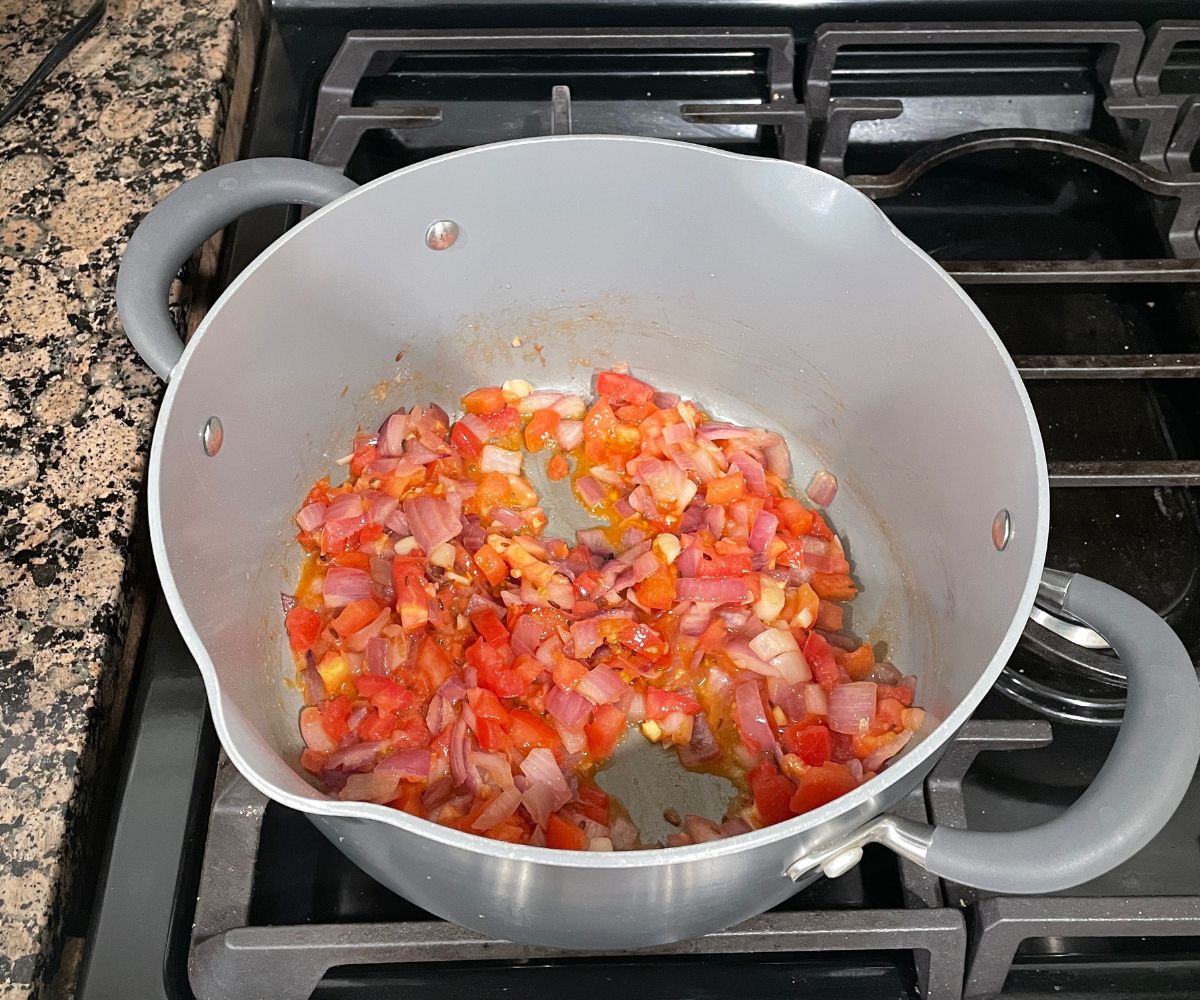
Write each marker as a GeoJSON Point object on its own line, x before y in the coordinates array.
{"type": "Point", "coordinates": [133, 112]}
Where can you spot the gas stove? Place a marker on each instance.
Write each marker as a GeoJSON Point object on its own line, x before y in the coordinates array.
{"type": "Point", "coordinates": [1052, 168]}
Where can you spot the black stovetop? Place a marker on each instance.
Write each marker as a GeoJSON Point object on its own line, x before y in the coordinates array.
{"type": "Point", "coordinates": [1049, 167]}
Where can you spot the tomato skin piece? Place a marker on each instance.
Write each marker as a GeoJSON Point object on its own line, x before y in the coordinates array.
{"type": "Point", "coordinates": [484, 401]}
{"type": "Point", "coordinates": [604, 732]}
{"type": "Point", "coordinates": [502, 422]}
{"type": "Point", "coordinates": [731, 564]}
{"type": "Point", "coordinates": [376, 725]}
{"type": "Point", "coordinates": [495, 671]}
{"type": "Point", "coordinates": [491, 735]}
{"type": "Point", "coordinates": [813, 744]}
{"type": "Point", "coordinates": [433, 662]}
{"type": "Point", "coordinates": [565, 836]}
{"type": "Point", "coordinates": [492, 565]}
{"type": "Point", "coordinates": [356, 615]}
{"type": "Point", "coordinates": [567, 673]}
{"type": "Point", "coordinates": [644, 640]}
{"type": "Point", "coordinates": [486, 705]}
{"type": "Point", "coordinates": [363, 457]}
{"type": "Point", "coordinates": [303, 626]}
{"type": "Point", "coordinates": [899, 692]}
{"type": "Point", "coordinates": [541, 428]}
{"type": "Point", "coordinates": [725, 490]}
{"type": "Point", "coordinates": [660, 703]}
{"type": "Point", "coordinates": [588, 584]}
{"type": "Point", "coordinates": [819, 785]}
{"type": "Point", "coordinates": [860, 662]}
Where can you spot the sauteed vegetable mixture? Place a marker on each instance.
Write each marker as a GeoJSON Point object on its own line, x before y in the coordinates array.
{"type": "Point", "coordinates": [460, 666]}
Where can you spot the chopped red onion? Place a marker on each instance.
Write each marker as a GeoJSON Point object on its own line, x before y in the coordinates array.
{"type": "Point", "coordinates": [311, 517]}
{"type": "Point", "coordinates": [752, 472]}
{"type": "Point", "coordinates": [548, 790]}
{"type": "Point", "coordinates": [344, 585]}
{"type": "Point", "coordinates": [498, 810]}
{"type": "Point", "coordinates": [506, 518]}
{"type": "Point", "coordinates": [854, 766]}
{"type": "Point", "coordinates": [569, 708]}
{"type": "Point", "coordinates": [494, 766]}
{"type": "Point", "coordinates": [477, 426]}
{"type": "Point", "coordinates": [569, 434]}
{"type": "Point", "coordinates": [377, 650]}
{"type": "Point", "coordinates": [851, 707]}
{"type": "Point", "coordinates": [591, 492]}
{"type": "Point", "coordinates": [735, 827]}
{"type": "Point", "coordinates": [778, 459]}
{"type": "Point", "coordinates": [717, 430]}
{"type": "Point", "coordinates": [595, 540]}
{"type": "Point", "coordinates": [718, 590]}
{"type": "Point", "coordinates": [526, 636]}
{"type": "Point", "coordinates": [714, 520]}
{"type": "Point", "coordinates": [696, 618]}
{"type": "Point", "coordinates": [816, 701]}
{"type": "Point", "coordinates": [355, 757]}
{"type": "Point", "coordinates": [601, 686]}
{"type": "Point", "coordinates": [752, 717]}
{"type": "Point", "coordinates": [457, 748]}
{"type": "Point", "coordinates": [881, 755]}
{"type": "Point", "coordinates": [344, 507]}
{"type": "Point", "coordinates": [535, 401]}
{"type": "Point", "coordinates": [763, 531]}
{"type": "Point", "coordinates": [701, 829]}
{"type": "Point", "coordinates": [377, 786]}
{"type": "Point", "coordinates": [315, 737]}
{"type": "Point", "coordinates": [585, 636]}
{"type": "Point", "coordinates": [703, 745]}
{"type": "Point", "coordinates": [392, 433]}
{"type": "Point", "coordinates": [414, 764]}
{"type": "Point", "coordinates": [822, 489]}
{"type": "Point", "coordinates": [495, 459]}
{"type": "Point", "coordinates": [569, 406]}
{"type": "Point", "coordinates": [745, 659]}
{"type": "Point", "coordinates": [431, 520]}
{"type": "Point", "coordinates": [419, 453]}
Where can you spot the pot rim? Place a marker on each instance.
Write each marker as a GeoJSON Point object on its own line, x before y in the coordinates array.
{"type": "Point", "coordinates": [930, 745]}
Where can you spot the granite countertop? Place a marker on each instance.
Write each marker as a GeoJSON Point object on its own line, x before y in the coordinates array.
{"type": "Point", "coordinates": [135, 110]}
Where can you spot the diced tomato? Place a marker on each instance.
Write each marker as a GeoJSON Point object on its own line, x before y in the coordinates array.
{"type": "Point", "coordinates": [376, 725]}
{"type": "Point", "coordinates": [889, 711]}
{"type": "Point", "coordinates": [567, 672]}
{"type": "Point", "coordinates": [492, 565]}
{"type": "Point", "coordinates": [467, 444]}
{"type": "Point", "coordinates": [831, 617]}
{"type": "Point", "coordinates": [797, 518]}
{"type": "Point", "coordinates": [818, 528]}
{"type": "Point", "coordinates": [565, 836]}
{"type": "Point", "coordinates": [598, 428]}
{"type": "Point", "coordinates": [588, 584]}
{"type": "Point", "coordinates": [811, 743]}
{"type": "Point", "coordinates": [491, 735]}
{"type": "Point", "coordinates": [486, 705]}
{"type": "Point", "coordinates": [411, 733]}
{"type": "Point", "coordinates": [725, 490]}
{"type": "Point", "coordinates": [528, 731]}
{"type": "Point", "coordinates": [541, 428]}
{"type": "Point", "coordinates": [503, 422]}
{"type": "Point", "coordinates": [660, 703]}
{"type": "Point", "coordinates": [303, 626]}
{"type": "Point", "coordinates": [623, 388]}
{"type": "Point", "coordinates": [433, 662]}
{"type": "Point", "coordinates": [732, 564]}
{"type": "Point", "coordinates": [384, 693]}
{"type": "Point", "coordinates": [557, 468]}
{"type": "Point", "coordinates": [484, 401]}
{"type": "Point", "coordinates": [334, 714]}
{"type": "Point", "coordinates": [363, 457]}
{"type": "Point", "coordinates": [859, 662]}
{"type": "Point", "coordinates": [512, 831]}
{"type": "Point", "coordinates": [821, 661]}
{"type": "Point", "coordinates": [495, 670]}
{"type": "Point", "coordinates": [657, 591]}
{"type": "Point", "coordinates": [899, 692]}
{"type": "Point", "coordinates": [644, 640]}
{"type": "Point", "coordinates": [605, 731]}
{"type": "Point", "coordinates": [487, 623]}
{"type": "Point", "coordinates": [819, 785]}
{"type": "Point", "coordinates": [356, 615]}
{"type": "Point", "coordinates": [595, 804]}
{"type": "Point", "coordinates": [834, 586]}
{"type": "Point", "coordinates": [772, 793]}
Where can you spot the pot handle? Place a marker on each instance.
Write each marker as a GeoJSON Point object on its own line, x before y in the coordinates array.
{"type": "Point", "coordinates": [1137, 790]}
{"type": "Point", "coordinates": [188, 216]}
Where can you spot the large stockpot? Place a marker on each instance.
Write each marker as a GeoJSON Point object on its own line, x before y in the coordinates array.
{"type": "Point", "coordinates": [775, 294]}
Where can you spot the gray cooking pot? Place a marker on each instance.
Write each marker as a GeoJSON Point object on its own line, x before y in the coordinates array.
{"type": "Point", "coordinates": [775, 294]}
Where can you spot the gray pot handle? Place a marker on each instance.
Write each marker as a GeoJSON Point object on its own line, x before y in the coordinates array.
{"type": "Point", "coordinates": [188, 216]}
{"type": "Point", "coordinates": [1137, 790]}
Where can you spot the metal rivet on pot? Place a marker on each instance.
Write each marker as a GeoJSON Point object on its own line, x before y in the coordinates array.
{"type": "Point", "coordinates": [213, 436]}
{"type": "Point", "coordinates": [441, 234]}
{"type": "Point", "coordinates": [1001, 530]}
{"type": "Point", "coordinates": [842, 862]}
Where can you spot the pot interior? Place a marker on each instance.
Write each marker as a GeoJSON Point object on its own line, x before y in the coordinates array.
{"type": "Point", "coordinates": [772, 294]}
